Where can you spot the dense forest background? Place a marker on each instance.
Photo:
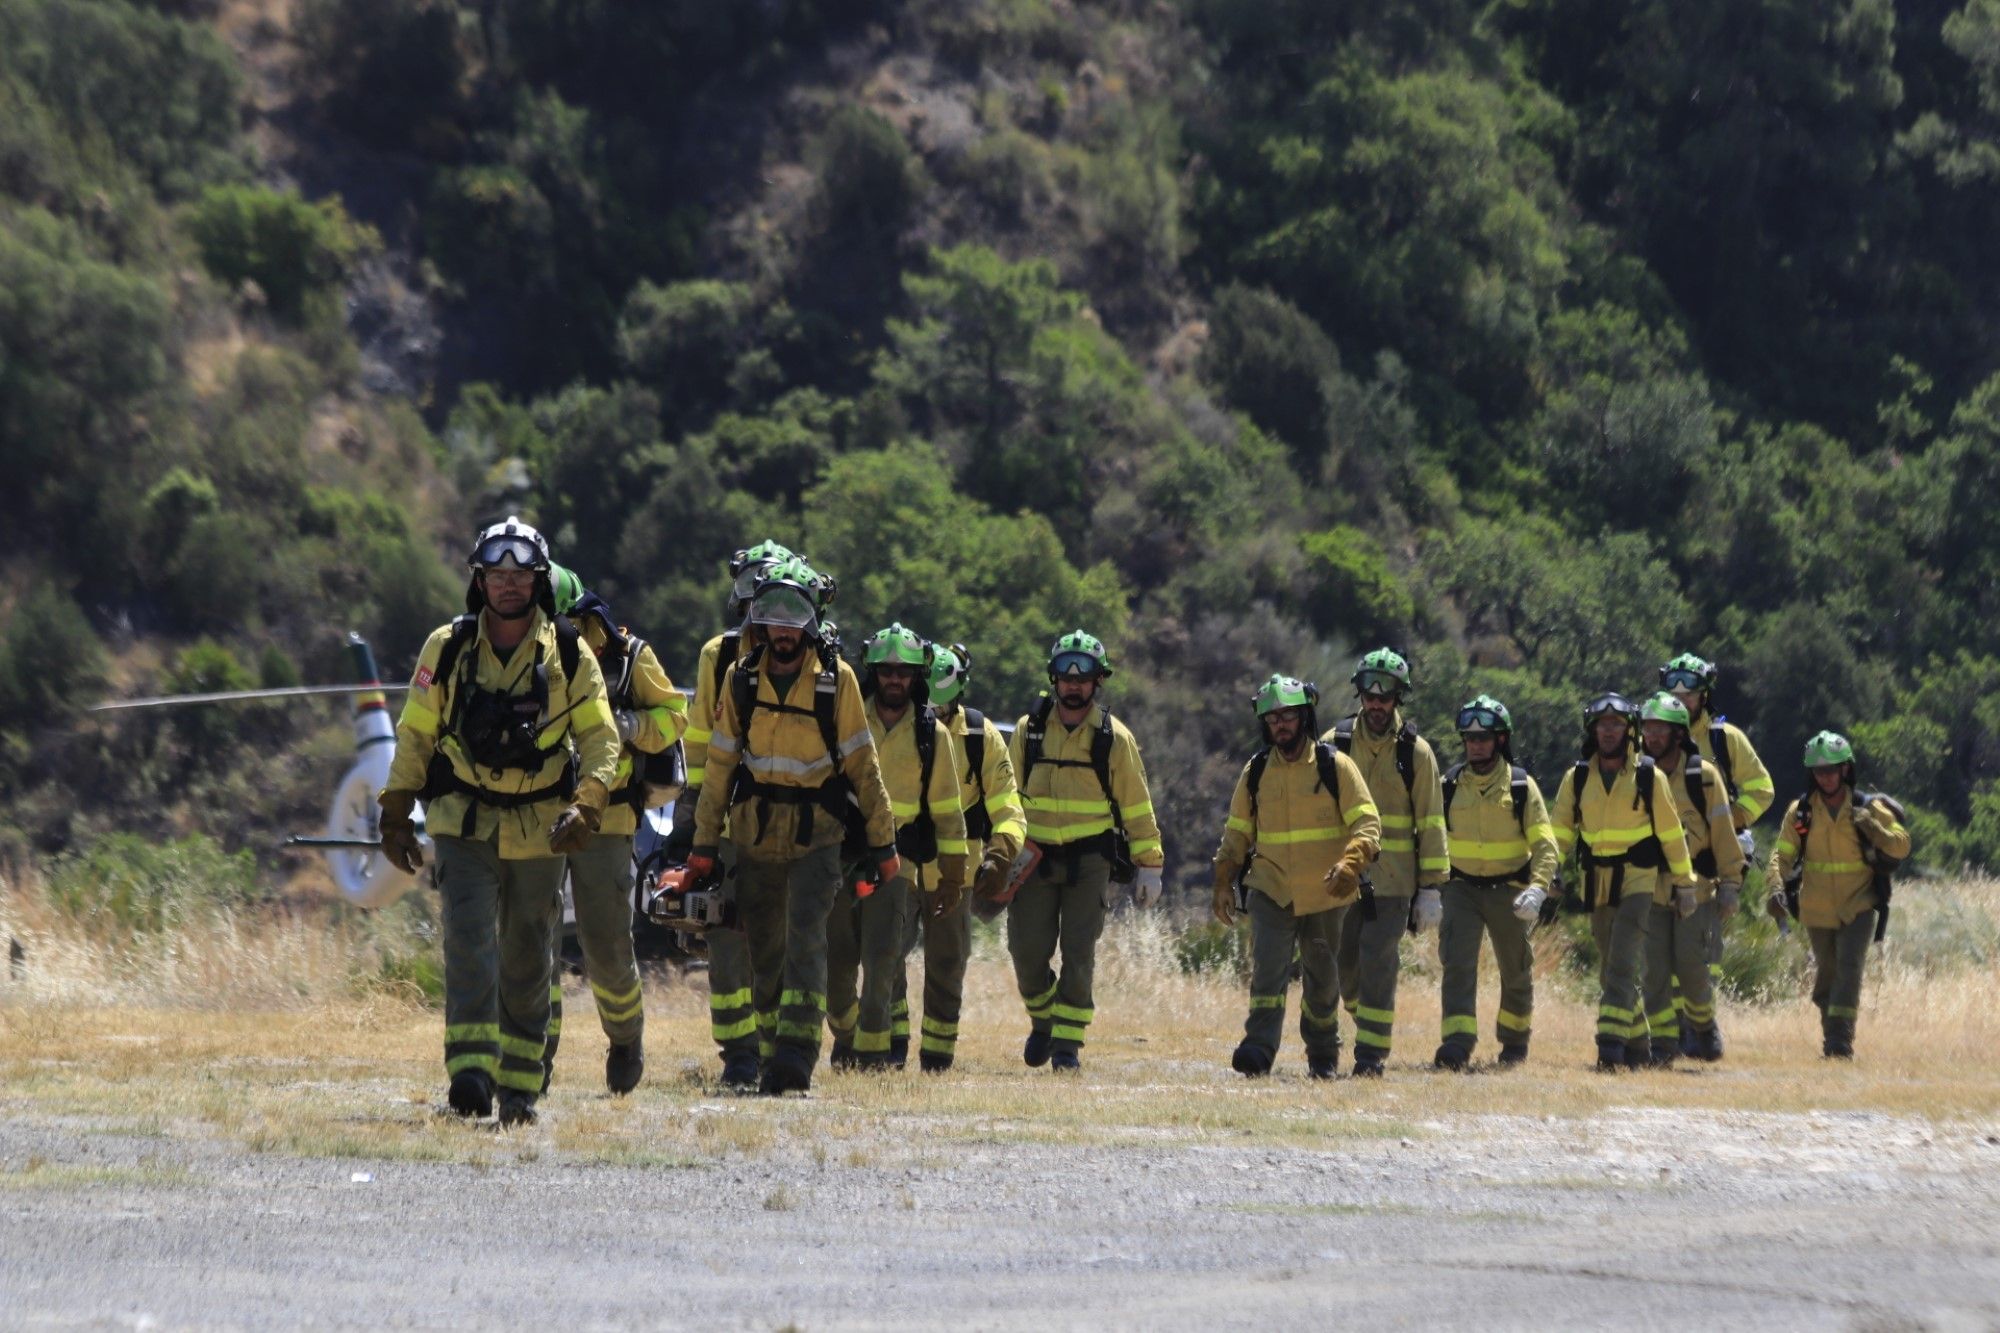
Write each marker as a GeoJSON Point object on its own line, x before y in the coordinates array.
{"type": "Point", "coordinates": [1542, 338]}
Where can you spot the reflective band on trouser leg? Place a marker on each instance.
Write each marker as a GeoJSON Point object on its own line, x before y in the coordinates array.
{"type": "Point", "coordinates": [1071, 1022]}
{"type": "Point", "coordinates": [947, 951]}
{"type": "Point", "coordinates": [1318, 934]}
{"type": "Point", "coordinates": [1377, 959]}
{"type": "Point", "coordinates": [530, 912]}
{"type": "Point", "coordinates": [840, 1024]}
{"type": "Point", "coordinates": [939, 1038]}
{"type": "Point", "coordinates": [1511, 1029]}
{"type": "Point", "coordinates": [843, 967]}
{"type": "Point", "coordinates": [730, 1017]}
{"type": "Point", "coordinates": [732, 1005]}
{"type": "Point", "coordinates": [899, 1017]}
{"type": "Point", "coordinates": [1032, 921]}
{"type": "Point", "coordinates": [600, 879]}
{"type": "Point", "coordinates": [555, 1024]}
{"type": "Point", "coordinates": [881, 941]}
{"type": "Point", "coordinates": [1514, 959]}
{"type": "Point", "coordinates": [1459, 936]}
{"type": "Point", "coordinates": [472, 1046]}
{"type": "Point", "coordinates": [812, 880]}
{"type": "Point", "coordinates": [1657, 1003]}
{"type": "Point", "coordinates": [619, 1011]}
{"type": "Point", "coordinates": [1696, 989]}
{"type": "Point", "coordinates": [1623, 930]}
{"type": "Point", "coordinates": [1081, 922]}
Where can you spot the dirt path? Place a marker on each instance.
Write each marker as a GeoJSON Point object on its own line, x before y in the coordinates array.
{"type": "Point", "coordinates": [1632, 1216]}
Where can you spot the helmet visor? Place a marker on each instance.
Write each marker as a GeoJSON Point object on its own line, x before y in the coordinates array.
{"type": "Point", "coordinates": [745, 586]}
{"type": "Point", "coordinates": [783, 606]}
{"type": "Point", "coordinates": [1075, 664]}
{"type": "Point", "coordinates": [500, 552]}
{"type": "Point", "coordinates": [1377, 682]}
{"type": "Point", "coordinates": [1680, 678]}
{"type": "Point", "coordinates": [1478, 719]}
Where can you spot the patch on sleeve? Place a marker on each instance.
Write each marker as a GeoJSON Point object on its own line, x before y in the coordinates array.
{"type": "Point", "coordinates": [424, 678]}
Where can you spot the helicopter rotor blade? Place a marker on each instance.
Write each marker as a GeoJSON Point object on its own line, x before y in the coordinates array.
{"type": "Point", "coordinates": [233, 696]}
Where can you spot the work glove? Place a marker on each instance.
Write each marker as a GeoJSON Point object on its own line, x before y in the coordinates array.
{"type": "Point", "coordinates": [1728, 898]}
{"type": "Point", "coordinates": [1148, 885]}
{"type": "Point", "coordinates": [1528, 904]}
{"type": "Point", "coordinates": [1748, 842]}
{"type": "Point", "coordinates": [888, 865]}
{"type": "Point", "coordinates": [627, 722]}
{"type": "Point", "coordinates": [1344, 880]}
{"type": "Point", "coordinates": [1684, 901]}
{"type": "Point", "coordinates": [399, 830]}
{"type": "Point", "coordinates": [680, 838]}
{"type": "Point", "coordinates": [1775, 905]}
{"type": "Point", "coordinates": [991, 881]}
{"type": "Point", "coordinates": [950, 893]}
{"type": "Point", "coordinates": [1428, 911]}
{"type": "Point", "coordinates": [1225, 892]}
{"type": "Point", "coordinates": [572, 829]}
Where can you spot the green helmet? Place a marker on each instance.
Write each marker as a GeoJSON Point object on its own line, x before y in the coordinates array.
{"type": "Point", "coordinates": [787, 595]}
{"type": "Point", "coordinates": [896, 646]}
{"type": "Point", "coordinates": [1383, 671]}
{"type": "Point", "coordinates": [1663, 707]}
{"type": "Point", "coordinates": [1079, 654]}
{"type": "Point", "coordinates": [1688, 672]}
{"type": "Point", "coordinates": [1485, 716]}
{"type": "Point", "coordinates": [567, 586]}
{"type": "Point", "coordinates": [1828, 748]}
{"type": "Point", "coordinates": [950, 669]}
{"type": "Point", "coordinates": [747, 566]}
{"type": "Point", "coordinates": [1282, 691]}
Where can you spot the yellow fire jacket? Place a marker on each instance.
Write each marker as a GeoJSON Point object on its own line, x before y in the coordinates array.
{"type": "Point", "coordinates": [1063, 800]}
{"type": "Point", "coordinates": [702, 715]}
{"type": "Point", "coordinates": [576, 708]}
{"type": "Point", "coordinates": [902, 774]}
{"type": "Point", "coordinates": [1414, 850]}
{"type": "Point", "coordinates": [662, 716]}
{"type": "Point", "coordinates": [1837, 885]}
{"type": "Point", "coordinates": [1710, 829]}
{"type": "Point", "coordinates": [1754, 788]}
{"type": "Point", "coordinates": [1615, 821]}
{"type": "Point", "coordinates": [1489, 840]}
{"type": "Point", "coordinates": [996, 779]}
{"type": "Point", "coordinates": [1297, 833]}
{"type": "Point", "coordinates": [785, 749]}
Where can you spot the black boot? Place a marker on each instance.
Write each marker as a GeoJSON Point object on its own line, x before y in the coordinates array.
{"type": "Point", "coordinates": [1689, 1044]}
{"type": "Point", "coordinates": [740, 1070]}
{"type": "Point", "coordinates": [1638, 1052]}
{"type": "Point", "coordinates": [1452, 1056]}
{"type": "Point", "coordinates": [899, 1050]}
{"type": "Point", "coordinates": [1514, 1053]}
{"type": "Point", "coordinates": [842, 1058]}
{"type": "Point", "coordinates": [933, 1062]}
{"type": "Point", "coordinates": [1708, 1044]}
{"type": "Point", "coordinates": [1323, 1066]}
{"type": "Point", "coordinates": [624, 1066]}
{"type": "Point", "coordinates": [516, 1108]}
{"type": "Point", "coordinates": [1367, 1064]}
{"type": "Point", "coordinates": [471, 1094]}
{"type": "Point", "coordinates": [877, 1062]}
{"type": "Point", "coordinates": [1610, 1054]}
{"type": "Point", "coordinates": [1035, 1050]}
{"type": "Point", "coordinates": [1837, 1038]}
{"type": "Point", "coordinates": [790, 1069]}
{"type": "Point", "coordinates": [1250, 1061]}
{"type": "Point", "coordinates": [1665, 1054]}
{"type": "Point", "coordinates": [1064, 1062]}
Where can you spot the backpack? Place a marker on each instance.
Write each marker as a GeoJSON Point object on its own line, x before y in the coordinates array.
{"type": "Point", "coordinates": [1323, 757]}
{"type": "Point", "coordinates": [1718, 743]}
{"type": "Point", "coordinates": [1693, 775]}
{"type": "Point", "coordinates": [1881, 863]}
{"type": "Point", "coordinates": [662, 771]}
{"type": "Point", "coordinates": [836, 794]}
{"type": "Point", "coordinates": [1123, 871]}
{"type": "Point", "coordinates": [1646, 854]}
{"type": "Point", "coordinates": [917, 841]}
{"type": "Point", "coordinates": [978, 819]}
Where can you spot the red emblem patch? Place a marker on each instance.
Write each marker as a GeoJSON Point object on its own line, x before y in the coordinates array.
{"type": "Point", "coordinates": [424, 678]}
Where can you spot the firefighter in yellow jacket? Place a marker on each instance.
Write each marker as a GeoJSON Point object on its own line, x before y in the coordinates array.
{"type": "Point", "coordinates": [1503, 863]}
{"type": "Point", "coordinates": [1836, 847]}
{"type": "Point", "coordinates": [1631, 856]}
{"type": "Point", "coordinates": [865, 934]}
{"type": "Point", "coordinates": [1680, 937]}
{"type": "Point", "coordinates": [791, 765]}
{"type": "Point", "coordinates": [1082, 785]}
{"type": "Point", "coordinates": [732, 1016]}
{"type": "Point", "coordinates": [1402, 775]}
{"type": "Point", "coordinates": [650, 715]}
{"type": "Point", "coordinates": [994, 827]}
{"type": "Point", "coordinates": [1723, 744]}
{"type": "Point", "coordinates": [1301, 832]}
{"type": "Point", "coordinates": [484, 740]}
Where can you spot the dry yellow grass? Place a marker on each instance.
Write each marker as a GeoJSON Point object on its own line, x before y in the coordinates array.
{"type": "Point", "coordinates": [265, 1034]}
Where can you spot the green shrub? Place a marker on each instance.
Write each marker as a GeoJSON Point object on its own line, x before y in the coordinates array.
{"type": "Point", "coordinates": [51, 661]}
{"type": "Point", "coordinates": [1211, 947]}
{"type": "Point", "coordinates": [127, 883]}
{"type": "Point", "coordinates": [290, 248]}
{"type": "Point", "coordinates": [869, 179]}
{"type": "Point", "coordinates": [1354, 592]}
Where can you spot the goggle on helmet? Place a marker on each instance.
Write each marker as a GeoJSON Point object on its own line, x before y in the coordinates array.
{"type": "Point", "coordinates": [509, 544]}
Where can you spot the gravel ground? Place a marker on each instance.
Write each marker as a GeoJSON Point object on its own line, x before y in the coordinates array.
{"type": "Point", "coordinates": [1635, 1217]}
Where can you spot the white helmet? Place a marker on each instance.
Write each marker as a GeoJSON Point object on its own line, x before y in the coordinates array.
{"type": "Point", "coordinates": [510, 542]}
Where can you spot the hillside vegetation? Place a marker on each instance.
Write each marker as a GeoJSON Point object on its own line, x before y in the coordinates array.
{"type": "Point", "coordinates": [1543, 338]}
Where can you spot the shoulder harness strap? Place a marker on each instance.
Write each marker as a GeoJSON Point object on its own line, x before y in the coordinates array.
{"type": "Point", "coordinates": [1718, 742]}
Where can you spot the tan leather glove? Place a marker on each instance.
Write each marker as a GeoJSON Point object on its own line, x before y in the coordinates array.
{"type": "Point", "coordinates": [1225, 892]}
{"type": "Point", "coordinates": [991, 881]}
{"type": "Point", "coordinates": [950, 893]}
{"type": "Point", "coordinates": [399, 830]}
{"type": "Point", "coordinates": [573, 827]}
{"type": "Point", "coordinates": [1344, 880]}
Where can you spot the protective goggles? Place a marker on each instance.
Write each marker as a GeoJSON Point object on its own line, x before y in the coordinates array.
{"type": "Point", "coordinates": [786, 607]}
{"type": "Point", "coordinates": [745, 586]}
{"type": "Point", "coordinates": [499, 552]}
{"type": "Point", "coordinates": [1479, 719]}
{"type": "Point", "coordinates": [1608, 705]}
{"type": "Point", "coordinates": [1378, 682]}
{"type": "Point", "coordinates": [1680, 678]}
{"type": "Point", "coordinates": [1075, 664]}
